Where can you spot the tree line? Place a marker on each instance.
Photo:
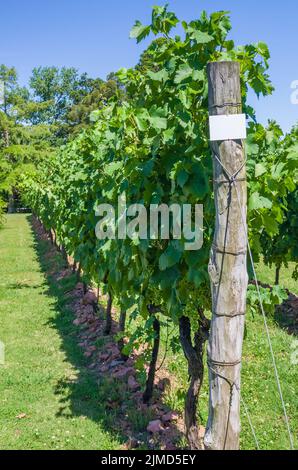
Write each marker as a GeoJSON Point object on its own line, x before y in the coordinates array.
{"type": "Point", "coordinates": [36, 120]}
{"type": "Point", "coordinates": [148, 137]}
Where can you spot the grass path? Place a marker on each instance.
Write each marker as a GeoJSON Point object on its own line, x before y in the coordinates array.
{"type": "Point", "coordinates": [46, 380]}
{"type": "Point", "coordinates": [43, 378]}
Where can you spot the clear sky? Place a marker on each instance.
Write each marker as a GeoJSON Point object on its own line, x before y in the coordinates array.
{"type": "Point", "coordinates": [92, 35]}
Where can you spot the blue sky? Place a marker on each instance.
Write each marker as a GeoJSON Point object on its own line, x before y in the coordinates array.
{"type": "Point", "coordinates": [92, 35]}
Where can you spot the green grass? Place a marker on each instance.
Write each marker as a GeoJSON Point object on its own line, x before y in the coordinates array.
{"type": "Point", "coordinates": [267, 275]}
{"type": "Point", "coordinates": [44, 374]}
{"type": "Point", "coordinates": [259, 388]}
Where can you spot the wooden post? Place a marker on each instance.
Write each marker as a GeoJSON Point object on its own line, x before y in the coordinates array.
{"type": "Point", "coordinates": [227, 267]}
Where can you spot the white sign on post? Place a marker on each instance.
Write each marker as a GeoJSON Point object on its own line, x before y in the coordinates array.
{"type": "Point", "coordinates": [227, 127]}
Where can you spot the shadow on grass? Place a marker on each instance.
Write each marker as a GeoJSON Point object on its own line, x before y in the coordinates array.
{"type": "Point", "coordinates": [286, 314]}
{"type": "Point", "coordinates": [23, 285]}
{"type": "Point", "coordinates": [286, 317]}
{"type": "Point", "coordinates": [84, 394]}
{"type": "Point", "coordinates": [88, 394]}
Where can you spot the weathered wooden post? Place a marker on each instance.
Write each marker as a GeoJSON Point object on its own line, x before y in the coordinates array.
{"type": "Point", "coordinates": [227, 267]}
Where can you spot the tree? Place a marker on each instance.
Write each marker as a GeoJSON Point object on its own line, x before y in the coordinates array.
{"type": "Point", "coordinates": [67, 98]}
{"type": "Point", "coordinates": [78, 117]}
{"type": "Point", "coordinates": [154, 146]}
{"type": "Point", "coordinates": [35, 121]}
{"type": "Point", "coordinates": [22, 144]}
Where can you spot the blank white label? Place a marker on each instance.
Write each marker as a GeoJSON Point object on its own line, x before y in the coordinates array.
{"type": "Point", "coordinates": [227, 127]}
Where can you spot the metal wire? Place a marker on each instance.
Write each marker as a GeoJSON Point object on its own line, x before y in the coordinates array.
{"type": "Point", "coordinates": [233, 182]}
{"type": "Point", "coordinates": [248, 417]}
{"type": "Point", "coordinates": [233, 385]}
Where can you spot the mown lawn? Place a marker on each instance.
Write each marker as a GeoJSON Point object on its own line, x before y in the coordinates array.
{"type": "Point", "coordinates": [44, 375]}
{"type": "Point", "coordinates": [259, 388]}
{"type": "Point", "coordinates": [48, 400]}
{"type": "Point", "coordinates": [267, 275]}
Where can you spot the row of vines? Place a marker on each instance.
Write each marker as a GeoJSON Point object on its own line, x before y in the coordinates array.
{"type": "Point", "coordinates": [150, 142]}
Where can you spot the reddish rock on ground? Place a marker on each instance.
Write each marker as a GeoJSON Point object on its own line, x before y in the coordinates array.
{"type": "Point", "coordinates": [132, 383]}
{"type": "Point", "coordinates": [171, 416]}
{"type": "Point", "coordinates": [124, 372]}
{"type": "Point", "coordinates": [155, 426]}
{"type": "Point", "coordinates": [89, 299]}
